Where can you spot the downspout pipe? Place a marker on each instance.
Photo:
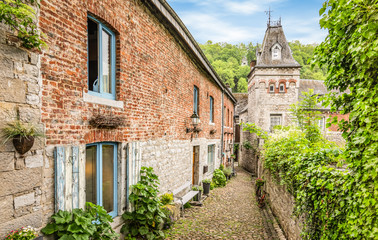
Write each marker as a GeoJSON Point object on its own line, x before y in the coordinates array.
{"type": "Point", "coordinates": [222, 132]}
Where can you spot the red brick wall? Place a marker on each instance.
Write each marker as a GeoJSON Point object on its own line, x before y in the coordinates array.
{"type": "Point", "coordinates": [155, 77]}
{"type": "Point", "coordinates": [334, 127]}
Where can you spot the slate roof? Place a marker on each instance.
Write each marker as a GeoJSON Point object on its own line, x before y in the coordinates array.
{"type": "Point", "coordinates": [273, 35]}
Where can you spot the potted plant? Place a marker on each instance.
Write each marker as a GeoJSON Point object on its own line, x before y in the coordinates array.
{"type": "Point", "coordinates": [198, 197]}
{"type": "Point", "coordinates": [206, 186]}
{"type": "Point", "coordinates": [22, 135]}
{"type": "Point", "coordinates": [227, 172]}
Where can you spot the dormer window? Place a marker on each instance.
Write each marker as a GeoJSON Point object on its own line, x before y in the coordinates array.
{"type": "Point", "coordinates": [271, 88]}
{"type": "Point", "coordinates": [282, 88]}
{"type": "Point", "coordinates": [276, 52]}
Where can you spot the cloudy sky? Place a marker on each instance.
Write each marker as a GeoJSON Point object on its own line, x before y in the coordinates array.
{"type": "Point", "coordinates": [236, 21]}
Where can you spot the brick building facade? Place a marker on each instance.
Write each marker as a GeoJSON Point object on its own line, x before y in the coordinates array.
{"type": "Point", "coordinates": [113, 60]}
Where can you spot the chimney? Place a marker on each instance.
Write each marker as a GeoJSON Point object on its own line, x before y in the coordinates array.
{"type": "Point", "coordinates": [228, 86]}
{"type": "Point", "coordinates": [252, 64]}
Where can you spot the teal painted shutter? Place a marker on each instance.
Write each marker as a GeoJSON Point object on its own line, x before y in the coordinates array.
{"type": "Point", "coordinates": [75, 177]}
{"type": "Point", "coordinates": [66, 178]}
{"type": "Point", "coordinates": [60, 177]}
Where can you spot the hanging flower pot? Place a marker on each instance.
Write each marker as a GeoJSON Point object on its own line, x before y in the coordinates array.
{"type": "Point", "coordinates": [23, 144]}
{"type": "Point", "coordinates": [22, 134]}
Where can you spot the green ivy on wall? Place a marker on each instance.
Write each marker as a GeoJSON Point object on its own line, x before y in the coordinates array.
{"type": "Point", "coordinates": [20, 16]}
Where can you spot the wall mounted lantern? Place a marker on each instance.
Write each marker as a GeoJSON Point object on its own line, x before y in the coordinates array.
{"type": "Point", "coordinates": [195, 121]}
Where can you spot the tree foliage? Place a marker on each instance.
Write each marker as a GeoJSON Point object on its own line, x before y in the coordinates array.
{"type": "Point", "coordinates": [20, 16]}
{"type": "Point", "coordinates": [306, 115]}
{"type": "Point", "coordinates": [303, 53]}
{"type": "Point", "coordinates": [226, 60]}
{"type": "Point", "coordinates": [350, 52]}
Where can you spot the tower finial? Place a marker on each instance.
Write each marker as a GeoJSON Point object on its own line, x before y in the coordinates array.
{"type": "Point", "coordinates": [269, 16]}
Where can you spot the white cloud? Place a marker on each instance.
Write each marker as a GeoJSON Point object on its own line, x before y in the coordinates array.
{"type": "Point", "coordinates": [213, 28]}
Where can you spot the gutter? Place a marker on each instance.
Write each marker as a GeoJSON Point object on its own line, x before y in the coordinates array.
{"type": "Point", "coordinates": [162, 8]}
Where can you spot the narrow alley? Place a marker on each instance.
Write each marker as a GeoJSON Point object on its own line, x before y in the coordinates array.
{"type": "Point", "coordinates": [230, 212]}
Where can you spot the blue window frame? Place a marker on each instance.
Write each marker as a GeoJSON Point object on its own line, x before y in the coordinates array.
{"type": "Point", "coordinates": [101, 176]}
{"type": "Point", "coordinates": [195, 100]}
{"type": "Point", "coordinates": [211, 109]}
{"type": "Point", "coordinates": [101, 59]}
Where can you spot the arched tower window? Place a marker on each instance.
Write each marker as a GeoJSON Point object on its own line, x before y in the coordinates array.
{"type": "Point", "coordinates": [276, 52]}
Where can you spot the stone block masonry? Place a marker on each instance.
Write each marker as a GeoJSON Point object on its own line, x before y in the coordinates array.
{"type": "Point", "coordinates": [21, 176]}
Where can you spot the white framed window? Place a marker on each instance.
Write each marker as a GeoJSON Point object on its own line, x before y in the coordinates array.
{"type": "Point", "coordinates": [211, 157]}
{"type": "Point", "coordinates": [275, 120]}
{"type": "Point", "coordinates": [271, 88]}
{"type": "Point", "coordinates": [276, 52]}
{"type": "Point", "coordinates": [321, 123]}
{"type": "Point", "coordinates": [282, 87]}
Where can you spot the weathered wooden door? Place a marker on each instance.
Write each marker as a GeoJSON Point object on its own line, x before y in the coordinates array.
{"type": "Point", "coordinates": [195, 167]}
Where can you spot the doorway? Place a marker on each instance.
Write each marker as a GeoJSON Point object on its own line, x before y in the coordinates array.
{"type": "Point", "coordinates": [195, 167]}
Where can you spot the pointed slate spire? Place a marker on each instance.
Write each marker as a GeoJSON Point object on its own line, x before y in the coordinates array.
{"type": "Point", "coordinates": [275, 51]}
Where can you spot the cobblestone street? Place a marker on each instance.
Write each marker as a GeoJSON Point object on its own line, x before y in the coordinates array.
{"type": "Point", "coordinates": [230, 212]}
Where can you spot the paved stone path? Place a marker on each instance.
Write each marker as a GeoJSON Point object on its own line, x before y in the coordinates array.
{"type": "Point", "coordinates": [230, 212]}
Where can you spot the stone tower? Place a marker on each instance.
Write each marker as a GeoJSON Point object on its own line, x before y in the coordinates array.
{"type": "Point", "coordinates": [273, 82]}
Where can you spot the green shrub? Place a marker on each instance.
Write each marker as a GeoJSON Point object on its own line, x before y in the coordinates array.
{"type": "Point", "coordinates": [168, 220]}
{"type": "Point", "coordinates": [212, 185]}
{"type": "Point", "coordinates": [207, 181]}
{"type": "Point", "coordinates": [145, 220]}
{"type": "Point", "coordinates": [197, 188]}
{"type": "Point", "coordinates": [219, 179]}
{"type": "Point", "coordinates": [166, 198]}
{"type": "Point", "coordinates": [91, 223]}
{"type": "Point", "coordinates": [221, 167]}
{"type": "Point", "coordinates": [227, 171]}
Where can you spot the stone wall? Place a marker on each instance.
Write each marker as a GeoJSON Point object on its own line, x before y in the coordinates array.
{"type": "Point", "coordinates": [282, 204]}
{"type": "Point", "coordinates": [21, 185]}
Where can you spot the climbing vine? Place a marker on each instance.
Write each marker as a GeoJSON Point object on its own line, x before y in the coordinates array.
{"type": "Point", "coordinates": [20, 16]}
{"type": "Point", "coordinates": [351, 53]}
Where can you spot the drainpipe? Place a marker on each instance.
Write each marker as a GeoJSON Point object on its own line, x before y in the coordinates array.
{"type": "Point", "coordinates": [222, 132]}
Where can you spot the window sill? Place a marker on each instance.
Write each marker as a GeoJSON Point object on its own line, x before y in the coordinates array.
{"type": "Point", "coordinates": [212, 124]}
{"type": "Point", "coordinates": [102, 101]}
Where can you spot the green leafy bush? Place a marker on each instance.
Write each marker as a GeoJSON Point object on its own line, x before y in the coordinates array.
{"type": "Point", "coordinates": [212, 185]}
{"type": "Point", "coordinates": [166, 198]}
{"type": "Point", "coordinates": [219, 179]}
{"type": "Point", "coordinates": [197, 188]}
{"type": "Point", "coordinates": [24, 233]}
{"type": "Point", "coordinates": [221, 167]}
{"type": "Point", "coordinates": [206, 181]}
{"type": "Point", "coordinates": [20, 16]}
{"type": "Point", "coordinates": [91, 223]}
{"type": "Point", "coordinates": [147, 216]}
{"type": "Point", "coordinates": [227, 172]}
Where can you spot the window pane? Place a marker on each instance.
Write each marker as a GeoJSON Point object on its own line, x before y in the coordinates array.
{"type": "Point", "coordinates": [90, 174]}
{"type": "Point", "coordinates": [211, 109]}
{"type": "Point", "coordinates": [106, 67]}
{"type": "Point", "coordinates": [274, 121]}
{"type": "Point", "coordinates": [195, 100]}
{"type": "Point", "coordinates": [93, 56]}
{"type": "Point", "coordinates": [108, 177]}
{"type": "Point", "coordinates": [210, 157]}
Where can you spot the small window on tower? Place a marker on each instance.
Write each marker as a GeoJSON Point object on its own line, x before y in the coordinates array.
{"type": "Point", "coordinates": [282, 87]}
{"type": "Point", "coordinates": [276, 52]}
{"type": "Point", "coordinates": [271, 88]}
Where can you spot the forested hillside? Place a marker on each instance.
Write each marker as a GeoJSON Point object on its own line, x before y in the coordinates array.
{"type": "Point", "coordinates": [226, 59]}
